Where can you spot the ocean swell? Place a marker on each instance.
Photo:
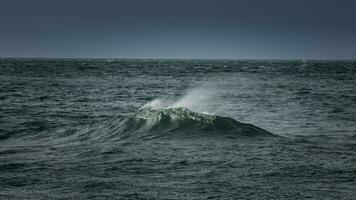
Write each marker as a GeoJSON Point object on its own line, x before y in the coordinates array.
{"type": "Point", "coordinates": [179, 119]}
{"type": "Point", "coordinates": [150, 123]}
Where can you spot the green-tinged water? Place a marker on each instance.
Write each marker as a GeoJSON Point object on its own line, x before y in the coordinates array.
{"type": "Point", "coordinates": [177, 129]}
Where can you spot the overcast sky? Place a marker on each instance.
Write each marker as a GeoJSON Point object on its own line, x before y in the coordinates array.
{"type": "Point", "coordinates": [264, 29]}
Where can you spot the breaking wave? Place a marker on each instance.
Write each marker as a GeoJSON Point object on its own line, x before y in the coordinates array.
{"type": "Point", "coordinates": [150, 123]}
{"type": "Point", "coordinates": [175, 119]}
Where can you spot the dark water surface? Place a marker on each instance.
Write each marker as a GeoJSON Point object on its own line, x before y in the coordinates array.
{"type": "Point", "coordinates": [177, 129]}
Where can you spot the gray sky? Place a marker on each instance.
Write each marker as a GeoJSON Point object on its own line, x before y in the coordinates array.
{"type": "Point", "coordinates": [264, 29]}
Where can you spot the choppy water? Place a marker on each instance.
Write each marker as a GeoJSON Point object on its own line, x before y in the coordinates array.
{"type": "Point", "coordinates": [177, 129]}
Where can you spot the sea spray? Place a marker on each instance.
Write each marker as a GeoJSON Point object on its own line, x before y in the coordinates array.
{"type": "Point", "coordinates": [197, 99]}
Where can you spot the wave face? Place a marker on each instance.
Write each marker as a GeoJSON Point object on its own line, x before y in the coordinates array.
{"type": "Point", "coordinates": [173, 122]}
{"type": "Point", "coordinates": [150, 123]}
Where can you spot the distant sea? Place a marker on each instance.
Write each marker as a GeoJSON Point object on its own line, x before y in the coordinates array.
{"type": "Point", "coordinates": [177, 129]}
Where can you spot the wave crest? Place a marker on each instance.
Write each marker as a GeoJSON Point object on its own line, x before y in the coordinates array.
{"type": "Point", "coordinates": [179, 119]}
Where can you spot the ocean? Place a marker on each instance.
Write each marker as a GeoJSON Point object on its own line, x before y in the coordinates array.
{"type": "Point", "coordinates": [177, 129]}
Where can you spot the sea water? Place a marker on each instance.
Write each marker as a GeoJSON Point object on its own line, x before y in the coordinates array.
{"type": "Point", "coordinates": [177, 129]}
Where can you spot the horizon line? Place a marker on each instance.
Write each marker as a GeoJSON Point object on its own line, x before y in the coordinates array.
{"type": "Point", "coordinates": [179, 58]}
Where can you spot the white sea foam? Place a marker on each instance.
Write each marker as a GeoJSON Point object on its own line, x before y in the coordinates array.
{"type": "Point", "coordinates": [197, 99]}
